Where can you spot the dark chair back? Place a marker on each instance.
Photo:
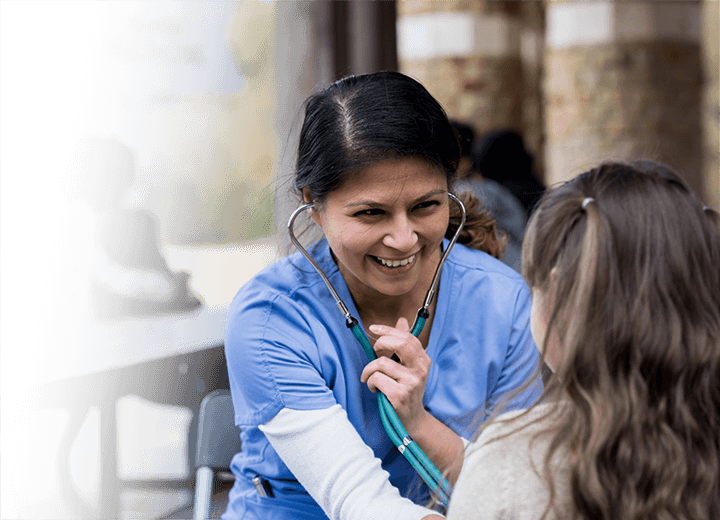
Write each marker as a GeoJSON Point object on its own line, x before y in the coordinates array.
{"type": "Point", "coordinates": [218, 437]}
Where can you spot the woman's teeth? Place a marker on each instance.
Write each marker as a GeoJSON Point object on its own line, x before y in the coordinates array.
{"type": "Point", "coordinates": [395, 263]}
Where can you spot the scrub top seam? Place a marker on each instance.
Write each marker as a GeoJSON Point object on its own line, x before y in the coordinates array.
{"type": "Point", "coordinates": [322, 254]}
{"type": "Point", "coordinates": [279, 403]}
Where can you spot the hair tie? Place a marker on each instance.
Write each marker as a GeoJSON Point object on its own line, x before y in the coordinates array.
{"type": "Point", "coordinates": [585, 202]}
{"type": "Point", "coordinates": [707, 208]}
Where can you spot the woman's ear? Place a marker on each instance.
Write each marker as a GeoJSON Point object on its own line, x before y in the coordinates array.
{"type": "Point", "coordinates": [313, 212]}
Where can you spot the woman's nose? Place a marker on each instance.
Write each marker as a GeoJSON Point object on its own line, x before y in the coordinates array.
{"type": "Point", "coordinates": [401, 235]}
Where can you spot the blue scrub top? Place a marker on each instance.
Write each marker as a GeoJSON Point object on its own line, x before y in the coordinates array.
{"type": "Point", "coordinates": [287, 346]}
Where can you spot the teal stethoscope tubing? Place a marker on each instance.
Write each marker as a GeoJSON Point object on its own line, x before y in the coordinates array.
{"type": "Point", "coordinates": [391, 422]}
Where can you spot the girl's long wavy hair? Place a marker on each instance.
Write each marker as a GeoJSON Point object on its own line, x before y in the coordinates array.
{"type": "Point", "coordinates": [636, 312]}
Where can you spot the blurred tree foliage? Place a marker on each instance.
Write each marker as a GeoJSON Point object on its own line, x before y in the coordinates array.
{"type": "Point", "coordinates": [214, 154]}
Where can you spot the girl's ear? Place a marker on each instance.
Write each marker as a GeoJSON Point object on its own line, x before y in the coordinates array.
{"type": "Point", "coordinates": [551, 287]}
{"type": "Point", "coordinates": [554, 276]}
{"type": "Point", "coordinates": [543, 307]}
{"type": "Point", "coordinates": [313, 212]}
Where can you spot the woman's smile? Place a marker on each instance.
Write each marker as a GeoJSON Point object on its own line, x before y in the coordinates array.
{"type": "Point", "coordinates": [394, 264]}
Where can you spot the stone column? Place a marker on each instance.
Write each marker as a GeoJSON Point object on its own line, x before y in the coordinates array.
{"type": "Point", "coordinates": [362, 36]}
{"type": "Point", "coordinates": [623, 81]}
{"type": "Point", "coordinates": [532, 51]}
{"type": "Point", "coordinates": [468, 54]}
{"type": "Point", "coordinates": [711, 110]}
{"type": "Point", "coordinates": [315, 44]}
{"type": "Point", "coordinates": [305, 59]}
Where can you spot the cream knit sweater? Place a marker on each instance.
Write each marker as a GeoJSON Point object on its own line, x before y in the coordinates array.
{"type": "Point", "coordinates": [503, 479]}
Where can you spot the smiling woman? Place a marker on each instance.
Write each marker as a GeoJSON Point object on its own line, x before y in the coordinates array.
{"type": "Point", "coordinates": [385, 227]}
{"type": "Point", "coordinates": [377, 158]}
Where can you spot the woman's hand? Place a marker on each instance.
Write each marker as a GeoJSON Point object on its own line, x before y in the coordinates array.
{"type": "Point", "coordinates": [403, 382]}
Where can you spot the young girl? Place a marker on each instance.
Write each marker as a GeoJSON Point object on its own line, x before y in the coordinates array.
{"type": "Point", "coordinates": [624, 266]}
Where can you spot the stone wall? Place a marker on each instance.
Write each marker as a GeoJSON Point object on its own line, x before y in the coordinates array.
{"type": "Point", "coordinates": [623, 80]}
{"type": "Point", "coordinates": [584, 81]}
{"type": "Point", "coordinates": [624, 100]}
{"type": "Point", "coordinates": [482, 60]}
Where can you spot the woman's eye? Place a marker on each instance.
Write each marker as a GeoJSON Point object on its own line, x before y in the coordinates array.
{"type": "Point", "coordinates": [427, 204]}
{"type": "Point", "coordinates": [372, 212]}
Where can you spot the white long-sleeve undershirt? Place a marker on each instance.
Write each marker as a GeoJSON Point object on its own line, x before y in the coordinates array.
{"type": "Point", "coordinates": [340, 471]}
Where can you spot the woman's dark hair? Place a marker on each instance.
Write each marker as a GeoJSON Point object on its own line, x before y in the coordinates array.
{"type": "Point", "coordinates": [360, 120]}
{"type": "Point", "coordinates": [466, 137]}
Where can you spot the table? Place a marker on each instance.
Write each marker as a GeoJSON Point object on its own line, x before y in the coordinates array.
{"type": "Point", "coordinates": [217, 272]}
{"type": "Point", "coordinates": [170, 380]}
{"type": "Point", "coordinates": [159, 359]}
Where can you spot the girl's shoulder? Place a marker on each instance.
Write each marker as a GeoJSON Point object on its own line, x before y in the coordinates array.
{"type": "Point", "coordinates": [518, 424]}
{"type": "Point", "coordinates": [519, 440]}
{"type": "Point", "coordinates": [510, 455]}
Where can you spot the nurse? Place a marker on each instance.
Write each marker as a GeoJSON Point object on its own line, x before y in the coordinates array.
{"type": "Point", "coordinates": [377, 156]}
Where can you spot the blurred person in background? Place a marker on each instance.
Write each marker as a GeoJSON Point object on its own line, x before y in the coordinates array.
{"type": "Point", "coordinates": [502, 157]}
{"type": "Point", "coordinates": [623, 265]}
{"type": "Point", "coordinates": [128, 274]}
{"type": "Point", "coordinates": [498, 201]}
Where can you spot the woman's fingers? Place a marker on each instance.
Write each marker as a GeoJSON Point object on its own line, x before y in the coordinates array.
{"type": "Point", "coordinates": [393, 390]}
{"type": "Point", "coordinates": [393, 380]}
{"type": "Point", "coordinates": [402, 381]}
{"type": "Point", "coordinates": [403, 389]}
{"type": "Point", "coordinates": [398, 341]}
{"type": "Point", "coordinates": [401, 327]}
{"type": "Point", "coordinates": [389, 345]}
{"type": "Point", "coordinates": [386, 366]}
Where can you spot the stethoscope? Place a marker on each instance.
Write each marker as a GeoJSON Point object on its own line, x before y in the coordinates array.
{"type": "Point", "coordinates": [391, 422]}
